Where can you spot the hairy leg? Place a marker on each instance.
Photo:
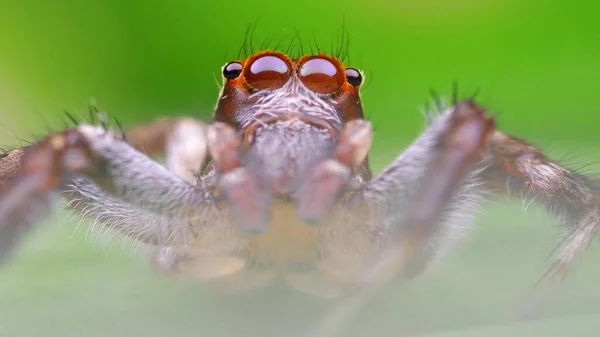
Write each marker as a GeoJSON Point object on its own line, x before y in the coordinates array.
{"type": "Point", "coordinates": [569, 196]}
{"type": "Point", "coordinates": [457, 153]}
{"type": "Point", "coordinates": [452, 158]}
{"type": "Point", "coordinates": [181, 139]}
{"type": "Point", "coordinates": [10, 162]}
{"type": "Point", "coordinates": [394, 189]}
{"type": "Point", "coordinates": [101, 160]}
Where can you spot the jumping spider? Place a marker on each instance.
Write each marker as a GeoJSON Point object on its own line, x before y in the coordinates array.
{"type": "Point", "coordinates": [278, 185]}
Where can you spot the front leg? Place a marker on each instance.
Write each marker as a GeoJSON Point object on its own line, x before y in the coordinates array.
{"type": "Point", "coordinates": [131, 176]}
{"type": "Point", "coordinates": [181, 139]}
{"type": "Point", "coordinates": [454, 148]}
{"type": "Point", "coordinates": [139, 196]}
{"type": "Point", "coordinates": [395, 188]}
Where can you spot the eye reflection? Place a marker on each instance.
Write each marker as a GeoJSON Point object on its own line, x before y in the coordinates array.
{"type": "Point", "coordinates": [318, 66]}
{"type": "Point", "coordinates": [268, 72]}
{"type": "Point", "coordinates": [232, 70]}
{"type": "Point", "coordinates": [269, 63]}
{"type": "Point", "coordinates": [321, 75]}
{"type": "Point", "coordinates": [354, 77]}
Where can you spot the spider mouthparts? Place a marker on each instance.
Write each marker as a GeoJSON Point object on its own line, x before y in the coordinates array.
{"type": "Point", "coordinates": [326, 183]}
{"type": "Point", "coordinates": [321, 190]}
{"type": "Point", "coordinates": [249, 202]}
{"type": "Point", "coordinates": [249, 189]}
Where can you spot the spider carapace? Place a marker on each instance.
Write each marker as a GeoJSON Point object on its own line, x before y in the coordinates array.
{"type": "Point", "coordinates": [277, 187]}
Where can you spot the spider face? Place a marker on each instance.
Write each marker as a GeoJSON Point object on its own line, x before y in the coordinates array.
{"type": "Point", "coordinates": [270, 86]}
{"type": "Point", "coordinates": [289, 112]}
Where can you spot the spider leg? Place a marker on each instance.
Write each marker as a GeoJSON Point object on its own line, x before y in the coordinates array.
{"type": "Point", "coordinates": [106, 166]}
{"type": "Point", "coordinates": [453, 154]}
{"type": "Point", "coordinates": [393, 191]}
{"type": "Point", "coordinates": [458, 152]}
{"type": "Point", "coordinates": [29, 184]}
{"type": "Point", "coordinates": [182, 140]}
{"type": "Point", "coordinates": [571, 197]}
{"type": "Point", "coordinates": [10, 162]}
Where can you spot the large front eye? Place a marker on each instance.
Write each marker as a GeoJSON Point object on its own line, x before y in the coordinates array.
{"type": "Point", "coordinates": [321, 75]}
{"type": "Point", "coordinates": [267, 72]}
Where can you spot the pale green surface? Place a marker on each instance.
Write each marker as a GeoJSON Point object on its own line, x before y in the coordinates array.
{"type": "Point", "coordinates": [537, 64]}
{"type": "Point", "coordinates": [59, 286]}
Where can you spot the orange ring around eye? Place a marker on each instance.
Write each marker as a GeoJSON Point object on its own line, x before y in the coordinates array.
{"type": "Point", "coordinates": [267, 70]}
{"type": "Point", "coordinates": [321, 74]}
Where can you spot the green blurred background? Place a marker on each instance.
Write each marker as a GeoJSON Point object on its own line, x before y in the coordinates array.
{"type": "Point", "coordinates": [535, 63]}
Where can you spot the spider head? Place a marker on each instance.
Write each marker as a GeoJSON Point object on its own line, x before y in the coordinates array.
{"type": "Point", "coordinates": [270, 87]}
{"type": "Point", "coordinates": [289, 112]}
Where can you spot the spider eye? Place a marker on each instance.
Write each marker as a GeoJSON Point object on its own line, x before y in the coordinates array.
{"type": "Point", "coordinates": [232, 70]}
{"type": "Point", "coordinates": [267, 72]}
{"type": "Point", "coordinates": [354, 77]}
{"type": "Point", "coordinates": [321, 75]}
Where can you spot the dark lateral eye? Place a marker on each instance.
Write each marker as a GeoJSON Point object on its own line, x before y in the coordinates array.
{"type": "Point", "coordinates": [267, 72]}
{"type": "Point", "coordinates": [353, 77]}
{"type": "Point", "coordinates": [321, 75]}
{"type": "Point", "coordinates": [232, 70]}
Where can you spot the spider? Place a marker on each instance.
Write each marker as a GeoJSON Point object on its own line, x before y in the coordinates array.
{"type": "Point", "coordinates": [277, 187]}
